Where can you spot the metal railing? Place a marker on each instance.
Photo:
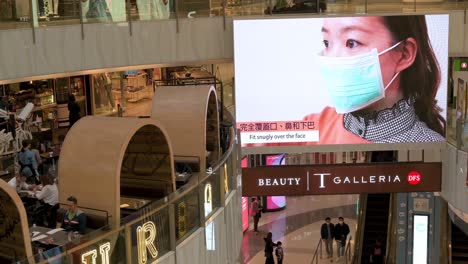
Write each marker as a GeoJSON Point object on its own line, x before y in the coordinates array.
{"type": "Point", "coordinates": [392, 231]}
{"type": "Point", "coordinates": [75, 12]}
{"type": "Point", "coordinates": [318, 250]}
{"type": "Point", "coordinates": [360, 228]}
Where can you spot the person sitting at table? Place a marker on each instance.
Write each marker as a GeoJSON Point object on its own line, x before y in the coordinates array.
{"type": "Point", "coordinates": [74, 219]}
{"type": "Point", "coordinates": [26, 159]}
{"type": "Point", "coordinates": [19, 183]}
{"type": "Point", "coordinates": [48, 199]}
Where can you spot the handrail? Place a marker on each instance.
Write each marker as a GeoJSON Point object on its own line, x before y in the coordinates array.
{"type": "Point", "coordinates": [360, 228]}
{"type": "Point", "coordinates": [348, 250]}
{"type": "Point", "coordinates": [391, 231]}
{"type": "Point", "coordinates": [319, 245]}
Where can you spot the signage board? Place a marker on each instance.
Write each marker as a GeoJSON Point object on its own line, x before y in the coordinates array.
{"type": "Point", "coordinates": [342, 179]}
{"type": "Point", "coordinates": [313, 81]}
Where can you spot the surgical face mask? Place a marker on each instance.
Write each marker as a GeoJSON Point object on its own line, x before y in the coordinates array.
{"type": "Point", "coordinates": [354, 82]}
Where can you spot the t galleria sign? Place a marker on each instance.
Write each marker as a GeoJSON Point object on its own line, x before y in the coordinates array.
{"type": "Point", "coordinates": [342, 179]}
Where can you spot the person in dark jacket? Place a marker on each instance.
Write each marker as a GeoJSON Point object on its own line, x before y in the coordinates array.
{"type": "Point", "coordinates": [74, 219]}
{"type": "Point", "coordinates": [327, 233]}
{"type": "Point", "coordinates": [73, 109]}
{"type": "Point", "coordinates": [341, 233]}
{"type": "Point", "coordinates": [269, 248]}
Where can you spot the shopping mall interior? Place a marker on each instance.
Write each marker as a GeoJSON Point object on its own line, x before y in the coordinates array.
{"type": "Point", "coordinates": [138, 131]}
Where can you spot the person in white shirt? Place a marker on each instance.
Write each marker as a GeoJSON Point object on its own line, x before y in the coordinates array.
{"type": "Point", "coordinates": [48, 198]}
{"type": "Point", "coordinates": [19, 183]}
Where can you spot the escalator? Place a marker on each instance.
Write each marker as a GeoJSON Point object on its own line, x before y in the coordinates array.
{"type": "Point", "coordinates": [376, 223]}
{"type": "Point", "coordinates": [459, 246]}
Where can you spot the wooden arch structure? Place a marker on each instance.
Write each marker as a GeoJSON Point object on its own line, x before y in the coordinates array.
{"type": "Point", "coordinates": [104, 158]}
{"type": "Point", "coordinates": [191, 117]}
{"type": "Point", "coordinates": [15, 241]}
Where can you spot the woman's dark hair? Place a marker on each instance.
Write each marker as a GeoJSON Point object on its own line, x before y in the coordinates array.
{"type": "Point", "coordinates": [25, 144]}
{"type": "Point", "coordinates": [421, 80]}
{"type": "Point", "coordinates": [71, 98]}
{"type": "Point", "coordinates": [46, 180]}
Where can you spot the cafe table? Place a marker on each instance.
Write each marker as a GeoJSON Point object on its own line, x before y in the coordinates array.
{"type": "Point", "coordinates": [47, 236]}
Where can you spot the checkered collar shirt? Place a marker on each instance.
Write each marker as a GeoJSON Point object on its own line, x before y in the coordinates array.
{"type": "Point", "coordinates": [398, 124]}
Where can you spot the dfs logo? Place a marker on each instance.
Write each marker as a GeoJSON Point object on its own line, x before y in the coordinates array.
{"type": "Point", "coordinates": [414, 178]}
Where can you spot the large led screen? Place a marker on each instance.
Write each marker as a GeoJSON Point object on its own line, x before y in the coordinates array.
{"type": "Point", "coordinates": [275, 202]}
{"type": "Point", "coordinates": [420, 238]}
{"type": "Point", "coordinates": [341, 80]}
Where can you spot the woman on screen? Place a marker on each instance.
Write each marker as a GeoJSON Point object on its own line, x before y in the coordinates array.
{"type": "Point", "coordinates": [382, 77]}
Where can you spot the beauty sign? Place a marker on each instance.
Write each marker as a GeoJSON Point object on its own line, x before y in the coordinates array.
{"type": "Point", "coordinates": [342, 179]}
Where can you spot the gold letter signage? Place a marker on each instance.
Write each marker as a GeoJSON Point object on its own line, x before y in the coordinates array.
{"type": "Point", "coordinates": [90, 257]}
{"type": "Point", "coordinates": [208, 200]}
{"type": "Point", "coordinates": [146, 234]}
{"type": "Point", "coordinates": [182, 221]}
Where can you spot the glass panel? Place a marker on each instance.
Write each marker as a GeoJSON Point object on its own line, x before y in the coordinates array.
{"type": "Point", "coordinates": [210, 193]}
{"type": "Point", "coordinates": [57, 12]}
{"type": "Point", "coordinates": [187, 215]}
{"type": "Point", "coordinates": [228, 175]}
{"type": "Point", "coordinates": [153, 9]}
{"type": "Point", "coordinates": [103, 11]}
{"type": "Point", "coordinates": [62, 90]}
{"type": "Point", "coordinates": [14, 14]}
{"type": "Point", "coordinates": [111, 247]}
{"type": "Point", "coordinates": [193, 9]}
{"type": "Point", "coordinates": [157, 225]}
{"type": "Point", "coordinates": [104, 99]}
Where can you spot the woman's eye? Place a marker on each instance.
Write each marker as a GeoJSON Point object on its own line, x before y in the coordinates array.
{"type": "Point", "coordinates": [325, 43]}
{"type": "Point", "coordinates": [351, 43]}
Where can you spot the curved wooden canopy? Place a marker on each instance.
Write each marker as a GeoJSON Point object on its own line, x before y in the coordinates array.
{"type": "Point", "coordinates": [104, 158]}
{"type": "Point", "coordinates": [15, 241]}
{"type": "Point", "coordinates": [190, 116]}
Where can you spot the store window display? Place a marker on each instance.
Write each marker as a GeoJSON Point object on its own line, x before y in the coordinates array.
{"type": "Point", "coordinates": [104, 101]}
{"type": "Point", "coordinates": [65, 87]}
{"type": "Point", "coordinates": [153, 9]}
{"type": "Point", "coordinates": [103, 11]}
{"type": "Point", "coordinates": [129, 92]}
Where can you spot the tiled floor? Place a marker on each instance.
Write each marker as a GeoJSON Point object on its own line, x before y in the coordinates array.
{"type": "Point", "coordinates": [298, 227]}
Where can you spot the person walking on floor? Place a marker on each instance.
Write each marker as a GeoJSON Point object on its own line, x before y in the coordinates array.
{"type": "Point", "coordinates": [279, 252]}
{"type": "Point", "coordinates": [327, 232]}
{"type": "Point", "coordinates": [255, 212]}
{"type": "Point", "coordinates": [269, 249]}
{"type": "Point", "coordinates": [341, 233]}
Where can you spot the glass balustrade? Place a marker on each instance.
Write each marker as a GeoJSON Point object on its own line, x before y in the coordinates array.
{"type": "Point", "coordinates": [37, 13]}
